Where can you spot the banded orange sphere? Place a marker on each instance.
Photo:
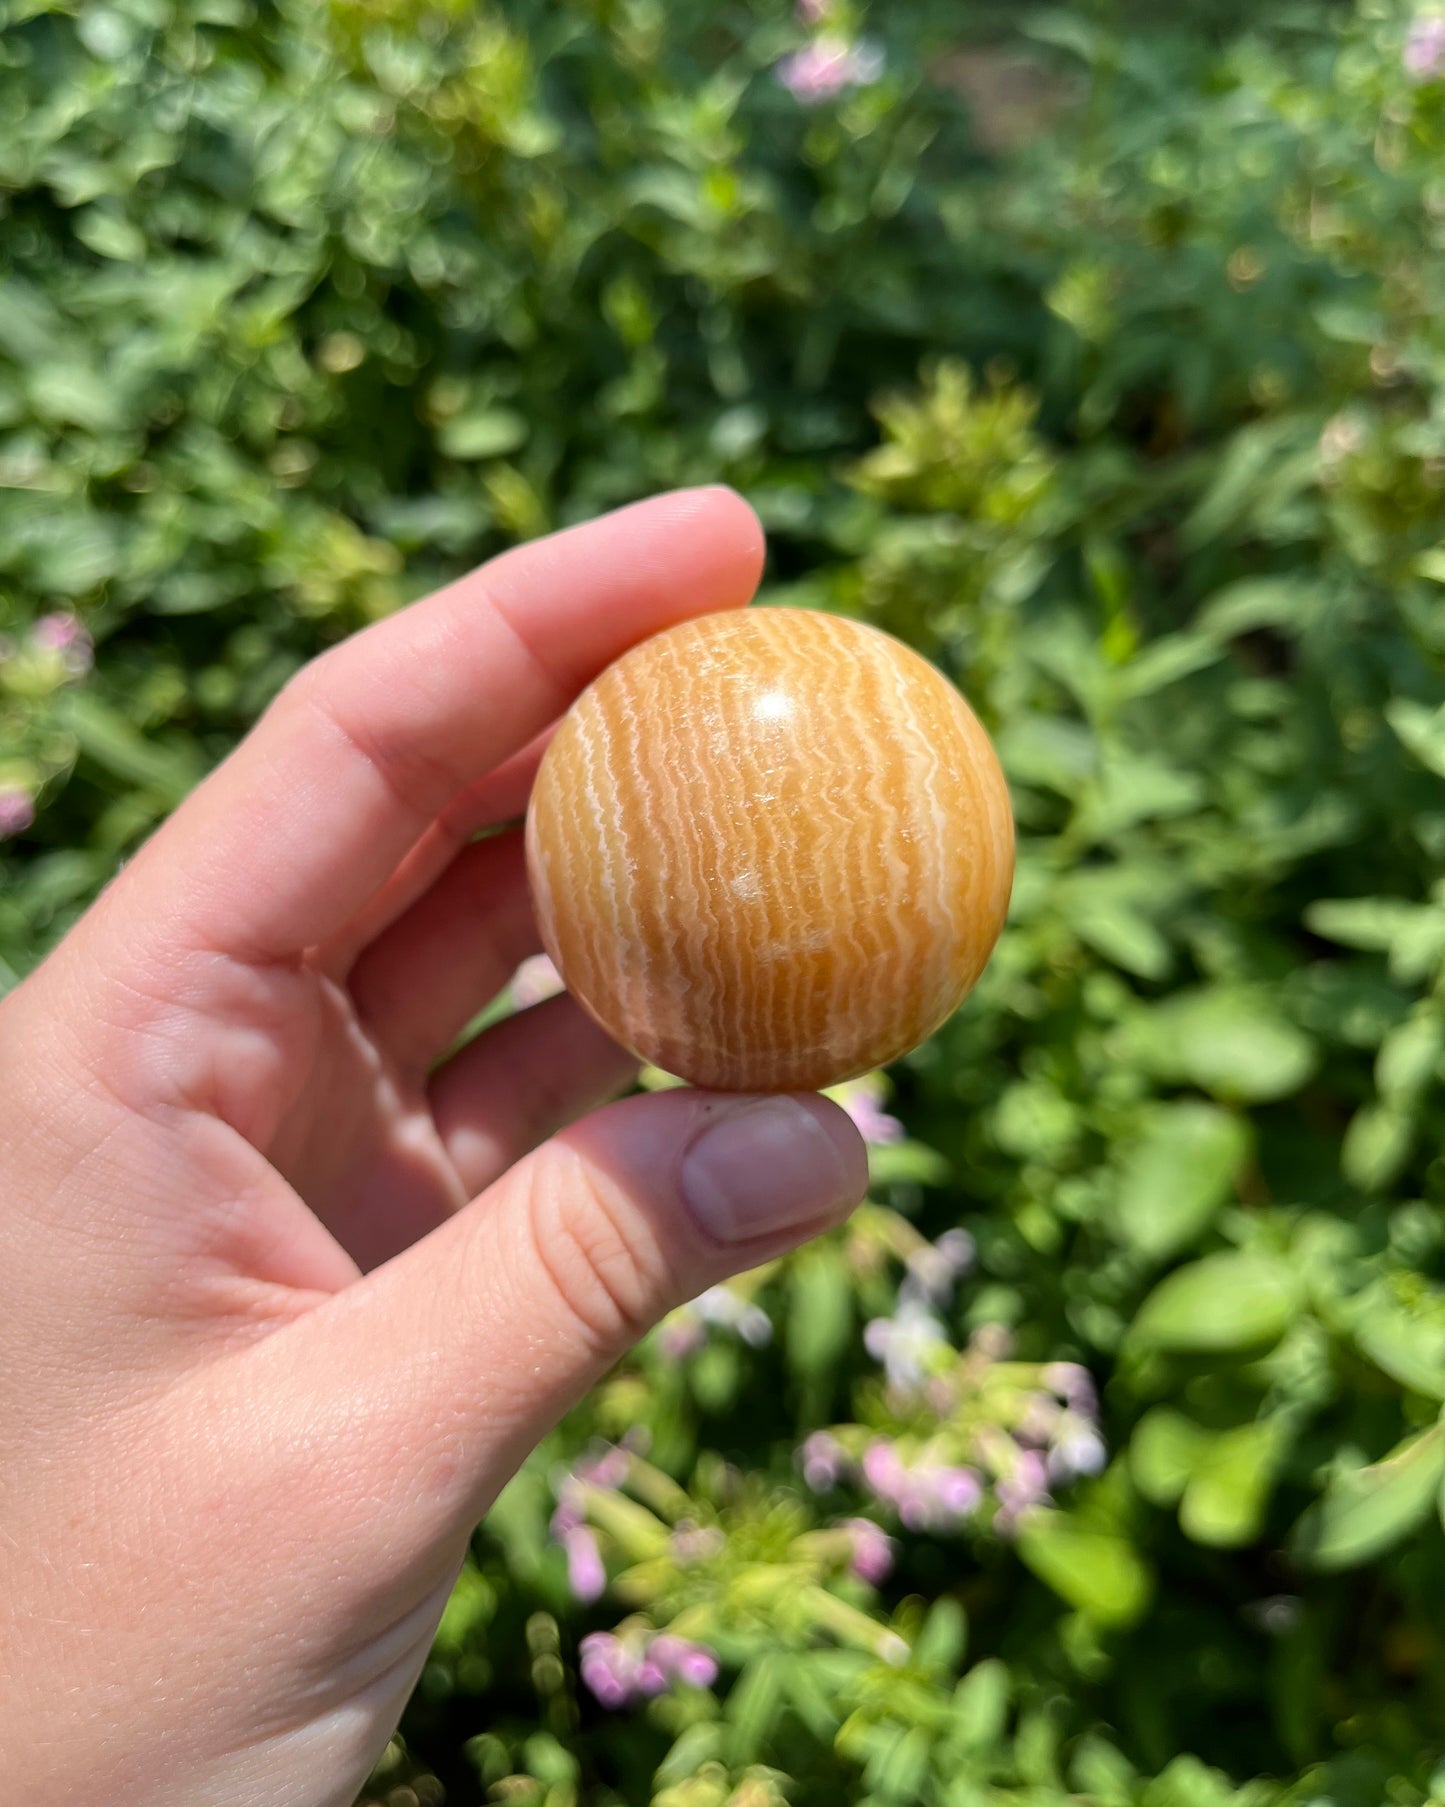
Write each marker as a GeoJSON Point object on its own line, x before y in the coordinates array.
{"type": "Point", "coordinates": [770, 849]}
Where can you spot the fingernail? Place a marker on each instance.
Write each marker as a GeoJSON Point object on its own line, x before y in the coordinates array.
{"type": "Point", "coordinates": [770, 1164]}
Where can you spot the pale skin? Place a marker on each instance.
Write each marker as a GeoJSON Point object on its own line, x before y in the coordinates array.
{"type": "Point", "coordinates": [287, 1288]}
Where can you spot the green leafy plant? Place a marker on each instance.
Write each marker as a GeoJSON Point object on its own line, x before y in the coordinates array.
{"type": "Point", "coordinates": [1099, 1459]}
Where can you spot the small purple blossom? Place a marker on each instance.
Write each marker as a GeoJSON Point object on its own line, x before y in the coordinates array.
{"type": "Point", "coordinates": [680, 1659]}
{"type": "Point", "coordinates": [872, 1559]}
{"type": "Point", "coordinates": [1077, 1449]}
{"type": "Point", "coordinates": [64, 634]}
{"type": "Point", "coordinates": [684, 1331]}
{"type": "Point", "coordinates": [1027, 1485]}
{"type": "Point", "coordinates": [863, 1100]}
{"type": "Point", "coordinates": [608, 1668]}
{"type": "Point", "coordinates": [621, 1671]}
{"type": "Point", "coordinates": [727, 1309]}
{"type": "Point", "coordinates": [828, 65]}
{"type": "Point", "coordinates": [907, 1344]}
{"type": "Point", "coordinates": [696, 1543]}
{"type": "Point", "coordinates": [681, 1334]}
{"type": "Point", "coordinates": [1039, 1420]}
{"type": "Point", "coordinates": [935, 1269]}
{"type": "Point", "coordinates": [1424, 53]}
{"type": "Point", "coordinates": [1074, 1385]}
{"type": "Point", "coordinates": [606, 1467]}
{"type": "Point", "coordinates": [17, 811]}
{"type": "Point", "coordinates": [991, 1342]}
{"type": "Point", "coordinates": [823, 1460]}
{"type": "Point", "coordinates": [534, 981]}
{"type": "Point", "coordinates": [586, 1574]}
{"type": "Point", "coordinates": [927, 1496]}
{"type": "Point", "coordinates": [813, 12]}
{"type": "Point", "coordinates": [56, 632]}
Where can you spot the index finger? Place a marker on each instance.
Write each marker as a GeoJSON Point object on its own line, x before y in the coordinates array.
{"type": "Point", "coordinates": [293, 833]}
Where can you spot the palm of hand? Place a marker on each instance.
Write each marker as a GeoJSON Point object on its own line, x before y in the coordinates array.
{"type": "Point", "coordinates": [265, 1354]}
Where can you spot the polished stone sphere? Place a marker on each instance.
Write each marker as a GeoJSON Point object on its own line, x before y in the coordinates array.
{"type": "Point", "coordinates": [770, 849]}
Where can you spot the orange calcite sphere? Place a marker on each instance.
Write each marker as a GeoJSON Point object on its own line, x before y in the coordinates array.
{"type": "Point", "coordinates": [770, 849]}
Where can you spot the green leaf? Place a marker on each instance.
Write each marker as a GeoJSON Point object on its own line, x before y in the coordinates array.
{"type": "Point", "coordinates": [1367, 1510]}
{"type": "Point", "coordinates": [1224, 1302]}
{"type": "Point", "coordinates": [1165, 662]}
{"type": "Point", "coordinates": [1134, 788]}
{"type": "Point", "coordinates": [1412, 1054]}
{"type": "Point", "coordinates": [1177, 1176]}
{"type": "Point", "coordinates": [1049, 751]}
{"type": "Point", "coordinates": [1256, 602]}
{"type": "Point", "coordinates": [1421, 730]}
{"type": "Point", "coordinates": [697, 1745]}
{"type": "Point", "coordinates": [907, 1164]}
{"type": "Point", "coordinates": [1411, 934]}
{"type": "Point", "coordinates": [820, 1321]}
{"type": "Point", "coordinates": [111, 235]}
{"type": "Point", "coordinates": [940, 1645]}
{"type": "Point", "coordinates": [1239, 473]}
{"type": "Point", "coordinates": [77, 395]}
{"type": "Point", "coordinates": [898, 1769]}
{"type": "Point", "coordinates": [1376, 1145]}
{"type": "Point", "coordinates": [980, 1705]}
{"type": "Point", "coordinates": [485, 433]}
{"type": "Point", "coordinates": [812, 1699]}
{"type": "Point", "coordinates": [1163, 1452]}
{"type": "Point", "coordinates": [1227, 1492]}
{"type": "Point", "coordinates": [1404, 1339]}
{"type": "Point", "coordinates": [1098, 1573]}
{"type": "Point", "coordinates": [1100, 1771]}
{"type": "Point", "coordinates": [1228, 1040]}
{"type": "Point", "coordinates": [1124, 936]}
{"type": "Point", "coordinates": [753, 1706]}
{"type": "Point", "coordinates": [109, 739]}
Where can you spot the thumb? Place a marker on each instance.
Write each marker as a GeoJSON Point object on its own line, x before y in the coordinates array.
{"type": "Point", "coordinates": [445, 1366]}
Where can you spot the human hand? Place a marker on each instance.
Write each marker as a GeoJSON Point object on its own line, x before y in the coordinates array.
{"type": "Point", "coordinates": [284, 1302]}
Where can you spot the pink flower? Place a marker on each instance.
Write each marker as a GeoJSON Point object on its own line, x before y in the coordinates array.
{"type": "Point", "coordinates": [1039, 1420]}
{"type": "Point", "coordinates": [620, 1671]}
{"type": "Point", "coordinates": [586, 1575]}
{"type": "Point", "coordinates": [729, 1310]}
{"type": "Point", "coordinates": [1424, 54]}
{"type": "Point", "coordinates": [696, 1543]}
{"type": "Point", "coordinates": [813, 12]}
{"type": "Point", "coordinates": [907, 1344]}
{"type": "Point", "coordinates": [535, 980]}
{"type": "Point", "coordinates": [605, 1467]}
{"type": "Point", "coordinates": [927, 1496]}
{"type": "Point", "coordinates": [608, 1668]}
{"type": "Point", "coordinates": [17, 811]}
{"type": "Point", "coordinates": [823, 1460]}
{"type": "Point", "coordinates": [1027, 1485]}
{"type": "Point", "coordinates": [872, 1550]}
{"type": "Point", "coordinates": [1077, 1449]}
{"type": "Point", "coordinates": [681, 1334]}
{"type": "Point", "coordinates": [934, 1269]}
{"type": "Point", "coordinates": [63, 633]}
{"type": "Point", "coordinates": [863, 1101]}
{"type": "Point", "coordinates": [679, 1659]}
{"type": "Point", "coordinates": [684, 1331]}
{"type": "Point", "coordinates": [1073, 1384]}
{"type": "Point", "coordinates": [827, 66]}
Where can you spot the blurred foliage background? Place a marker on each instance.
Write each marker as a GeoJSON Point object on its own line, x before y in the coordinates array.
{"type": "Point", "coordinates": [1098, 353]}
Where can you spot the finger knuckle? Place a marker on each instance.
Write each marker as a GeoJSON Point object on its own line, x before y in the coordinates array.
{"type": "Point", "coordinates": [595, 1249]}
